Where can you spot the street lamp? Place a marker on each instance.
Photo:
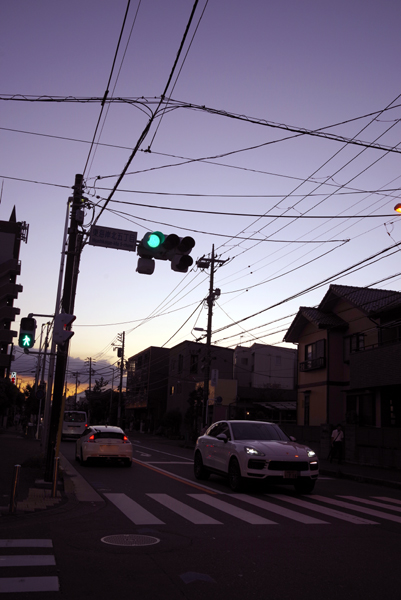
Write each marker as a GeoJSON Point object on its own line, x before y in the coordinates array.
{"type": "Point", "coordinates": [397, 208]}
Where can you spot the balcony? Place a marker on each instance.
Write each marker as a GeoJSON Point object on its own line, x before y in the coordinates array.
{"type": "Point", "coordinates": [313, 364]}
{"type": "Point", "coordinates": [376, 366]}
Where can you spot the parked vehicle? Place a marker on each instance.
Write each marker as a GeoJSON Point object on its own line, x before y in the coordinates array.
{"type": "Point", "coordinates": [103, 442]}
{"type": "Point", "coordinates": [245, 450]}
{"type": "Point", "coordinates": [75, 423]}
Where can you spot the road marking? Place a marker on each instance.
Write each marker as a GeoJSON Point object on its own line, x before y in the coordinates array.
{"type": "Point", "coordinates": [331, 512]}
{"type": "Point", "coordinates": [394, 500]}
{"type": "Point", "coordinates": [185, 511]}
{"type": "Point", "coordinates": [280, 510]}
{"type": "Point", "coordinates": [134, 511]}
{"type": "Point", "coordinates": [363, 509]}
{"type": "Point", "coordinates": [371, 502]}
{"type": "Point", "coordinates": [198, 486]}
{"type": "Point", "coordinates": [27, 560]}
{"type": "Point", "coordinates": [26, 543]}
{"type": "Point", "coordinates": [234, 511]}
{"type": "Point", "coordinates": [29, 584]}
{"type": "Point", "coordinates": [165, 462]}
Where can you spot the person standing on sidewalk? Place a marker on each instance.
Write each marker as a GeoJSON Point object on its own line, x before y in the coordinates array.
{"type": "Point", "coordinates": [337, 439]}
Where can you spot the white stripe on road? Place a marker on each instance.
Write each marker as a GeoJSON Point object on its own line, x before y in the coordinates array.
{"type": "Point", "coordinates": [27, 560]}
{"type": "Point", "coordinates": [362, 509]}
{"type": "Point", "coordinates": [29, 584]}
{"type": "Point", "coordinates": [234, 511]}
{"type": "Point", "coordinates": [165, 462]}
{"type": "Point", "coordinates": [26, 543]}
{"type": "Point", "coordinates": [387, 499]}
{"type": "Point", "coordinates": [371, 502]}
{"type": "Point", "coordinates": [133, 510]}
{"type": "Point", "coordinates": [280, 510]}
{"type": "Point", "coordinates": [331, 512]}
{"type": "Point", "coordinates": [185, 511]}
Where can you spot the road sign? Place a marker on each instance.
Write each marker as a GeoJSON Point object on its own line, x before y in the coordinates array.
{"type": "Point", "coordinates": [108, 237]}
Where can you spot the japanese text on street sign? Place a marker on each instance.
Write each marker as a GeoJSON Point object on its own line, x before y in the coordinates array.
{"type": "Point", "coordinates": [108, 237]}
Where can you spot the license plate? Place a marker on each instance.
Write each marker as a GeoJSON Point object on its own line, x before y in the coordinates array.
{"type": "Point", "coordinates": [108, 449]}
{"type": "Point", "coordinates": [291, 474]}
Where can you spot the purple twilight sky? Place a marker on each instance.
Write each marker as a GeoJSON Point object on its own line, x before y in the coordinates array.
{"type": "Point", "coordinates": [233, 146]}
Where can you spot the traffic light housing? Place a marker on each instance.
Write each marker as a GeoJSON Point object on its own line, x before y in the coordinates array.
{"type": "Point", "coordinates": [159, 246]}
{"type": "Point", "coordinates": [26, 338]}
{"type": "Point", "coordinates": [62, 328]}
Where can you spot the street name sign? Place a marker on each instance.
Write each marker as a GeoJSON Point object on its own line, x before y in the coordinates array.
{"type": "Point", "coordinates": [108, 237]}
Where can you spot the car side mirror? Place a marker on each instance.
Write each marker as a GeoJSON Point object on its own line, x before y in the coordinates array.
{"type": "Point", "coordinates": [292, 438]}
{"type": "Point", "coordinates": [222, 437]}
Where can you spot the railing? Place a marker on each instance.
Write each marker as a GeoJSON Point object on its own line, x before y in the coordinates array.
{"type": "Point", "coordinates": [310, 365]}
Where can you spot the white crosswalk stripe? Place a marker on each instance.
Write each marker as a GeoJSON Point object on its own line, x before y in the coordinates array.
{"type": "Point", "coordinates": [362, 509]}
{"type": "Point", "coordinates": [21, 584]}
{"type": "Point", "coordinates": [387, 499]}
{"type": "Point", "coordinates": [331, 512]}
{"type": "Point", "coordinates": [229, 505]}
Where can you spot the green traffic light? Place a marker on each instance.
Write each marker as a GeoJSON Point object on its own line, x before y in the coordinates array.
{"type": "Point", "coordinates": [27, 341]}
{"type": "Point", "coordinates": [155, 239]}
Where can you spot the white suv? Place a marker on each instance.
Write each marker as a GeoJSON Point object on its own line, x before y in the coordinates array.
{"type": "Point", "coordinates": [255, 450]}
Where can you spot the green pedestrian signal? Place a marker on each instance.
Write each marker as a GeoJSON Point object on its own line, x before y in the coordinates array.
{"type": "Point", "coordinates": [26, 338]}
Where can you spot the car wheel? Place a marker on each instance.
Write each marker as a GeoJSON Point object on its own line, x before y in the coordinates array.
{"type": "Point", "coordinates": [200, 471]}
{"type": "Point", "coordinates": [304, 486]}
{"type": "Point", "coordinates": [234, 475]}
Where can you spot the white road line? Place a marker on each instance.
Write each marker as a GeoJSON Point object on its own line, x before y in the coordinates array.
{"type": "Point", "coordinates": [332, 512]}
{"type": "Point", "coordinates": [362, 509]}
{"type": "Point", "coordinates": [280, 510]}
{"type": "Point", "coordinates": [234, 511]}
{"type": "Point", "coordinates": [26, 544]}
{"type": "Point", "coordinates": [387, 499]}
{"type": "Point", "coordinates": [165, 462]}
{"type": "Point", "coordinates": [27, 560]}
{"type": "Point", "coordinates": [185, 511]}
{"type": "Point", "coordinates": [371, 502]}
{"type": "Point", "coordinates": [29, 584]}
{"type": "Point", "coordinates": [134, 511]}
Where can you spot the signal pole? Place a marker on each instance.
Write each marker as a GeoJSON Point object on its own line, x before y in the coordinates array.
{"type": "Point", "coordinates": [67, 306]}
{"type": "Point", "coordinates": [205, 263]}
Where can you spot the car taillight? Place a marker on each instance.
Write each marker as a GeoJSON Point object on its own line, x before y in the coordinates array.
{"type": "Point", "coordinates": [125, 440]}
{"type": "Point", "coordinates": [92, 438]}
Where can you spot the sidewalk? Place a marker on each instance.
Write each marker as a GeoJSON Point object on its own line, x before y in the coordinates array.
{"type": "Point", "coordinates": [34, 495]}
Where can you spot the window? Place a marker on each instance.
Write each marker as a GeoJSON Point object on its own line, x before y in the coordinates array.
{"type": "Point", "coordinates": [315, 356]}
{"type": "Point", "coordinates": [194, 361]}
{"type": "Point", "coordinates": [180, 363]}
{"type": "Point", "coordinates": [353, 343]}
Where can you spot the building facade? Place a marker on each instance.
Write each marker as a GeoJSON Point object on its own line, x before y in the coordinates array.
{"type": "Point", "coordinates": [349, 352]}
{"type": "Point", "coordinates": [11, 235]}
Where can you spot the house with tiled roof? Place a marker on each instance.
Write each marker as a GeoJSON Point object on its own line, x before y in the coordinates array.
{"type": "Point", "coordinates": [349, 358]}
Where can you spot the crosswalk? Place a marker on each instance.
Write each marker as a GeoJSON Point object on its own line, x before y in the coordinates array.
{"type": "Point", "coordinates": [269, 509]}
{"type": "Point", "coordinates": [16, 555]}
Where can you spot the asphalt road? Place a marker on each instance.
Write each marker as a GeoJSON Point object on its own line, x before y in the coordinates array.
{"type": "Point", "coordinates": [156, 533]}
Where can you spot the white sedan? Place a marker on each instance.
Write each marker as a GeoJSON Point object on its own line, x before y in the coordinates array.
{"type": "Point", "coordinates": [255, 450]}
{"type": "Point", "coordinates": [103, 441]}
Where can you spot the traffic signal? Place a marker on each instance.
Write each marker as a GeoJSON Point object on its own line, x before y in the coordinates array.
{"type": "Point", "coordinates": [62, 328]}
{"type": "Point", "coordinates": [157, 245]}
{"type": "Point", "coordinates": [26, 338]}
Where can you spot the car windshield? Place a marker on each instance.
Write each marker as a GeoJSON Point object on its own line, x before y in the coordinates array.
{"type": "Point", "coordinates": [75, 417]}
{"type": "Point", "coordinates": [258, 431]}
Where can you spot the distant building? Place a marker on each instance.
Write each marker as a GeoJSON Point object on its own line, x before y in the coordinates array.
{"type": "Point", "coordinates": [11, 235]}
{"type": "Point", "coordinates": [147, 385]}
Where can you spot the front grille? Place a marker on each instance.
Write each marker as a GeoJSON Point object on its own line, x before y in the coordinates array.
{"type": "Point", "coordinates": [288, 465]}
{"type": "Point", "coordinates": [254, 463]}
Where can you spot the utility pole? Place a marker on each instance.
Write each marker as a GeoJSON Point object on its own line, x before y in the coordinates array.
{"type": "Point", "coordinates": [121, 338]}
{"type": "Point", "coordinates": [205, 263]}
{"type": "Point", "coordinates": [67, 306]}
{"type": "Point", "coordinates": [89, 363]}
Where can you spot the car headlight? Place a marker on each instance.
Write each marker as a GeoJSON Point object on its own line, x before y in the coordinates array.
{"type": "Point", "coordinates": [253, 451]}
{"type": "Point", "coordinates": [310, 453]}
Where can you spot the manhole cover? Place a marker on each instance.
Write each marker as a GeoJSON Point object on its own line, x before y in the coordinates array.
{"type": "Point", "coordinates": [130, 539]}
